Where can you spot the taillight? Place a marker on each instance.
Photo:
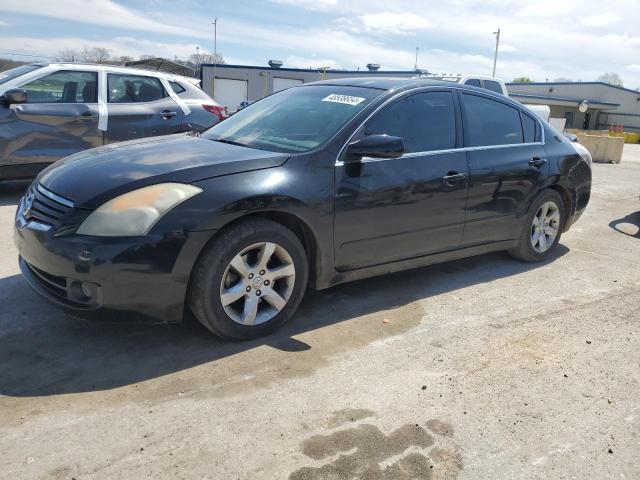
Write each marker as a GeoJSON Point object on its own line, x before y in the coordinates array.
{"type": "Point", "coordinates": [218, 110]}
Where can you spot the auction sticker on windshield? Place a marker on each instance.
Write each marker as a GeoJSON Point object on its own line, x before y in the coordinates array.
{"type": "Point", "coordinates": [346, 99]}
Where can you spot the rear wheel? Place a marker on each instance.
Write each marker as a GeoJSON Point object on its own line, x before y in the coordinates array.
{"type": "Point", "coordinates": [542, 229]}
{"type": "Point", "coordinates": [250, 280]}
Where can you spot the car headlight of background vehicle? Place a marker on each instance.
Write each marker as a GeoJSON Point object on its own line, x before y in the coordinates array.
{"type": "Point", "coordinates": [136, 212]}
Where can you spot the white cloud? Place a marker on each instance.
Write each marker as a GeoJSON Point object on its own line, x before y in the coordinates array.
{"type": "Point", "coordinates": [98, 12]}
{"type": "Point", "coordinates": [309, 4]}
{"type": "Point", "coordinates": [389, 22]}
{"type": "Point", "coordinates": [3, 24]}
{"type": "Point", "coordinates": [635, 67]}
{"type": "Point", "coordinates": [601, 19]}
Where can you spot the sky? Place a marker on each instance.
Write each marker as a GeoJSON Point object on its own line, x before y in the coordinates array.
{"type": "Point", "coordinates": [543, 39]}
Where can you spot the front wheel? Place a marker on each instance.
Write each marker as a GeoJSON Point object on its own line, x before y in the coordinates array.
{"type": "Point", "coordinates": [542, 229]}
{"type": "Point", "coordinates": [250, 280]}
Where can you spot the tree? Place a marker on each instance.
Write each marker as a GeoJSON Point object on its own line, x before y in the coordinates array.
{"type": "Point", "coordinates": [563, 80]}
{"type": "Point", "coordinates": [69, 55]}
{"type": "Point", "coordinates": [522, 80]}
{"type": "Point", "coordinates": [200, 58]}
{"type": "Point", "coordinates": [611, 78]}
{"type": "Point", "coordinates": [6, 64]}
{"type": "Point", "coordinates": [95, 55]}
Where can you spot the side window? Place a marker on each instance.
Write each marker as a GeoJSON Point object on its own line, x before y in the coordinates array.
{"type": "Point", "coordinates": [176, 87]}
{"type": "Point", "coordinates": [529, 128]}
{"type": "Point", "coordinates": [426, 122]}
{"type": "Point", "coordinates": [64, 87]}
{"type": "Point", "coordinates": [493, 86]}
{"type": "Point", "coordinates": [489, 122]}
{"type": "Point", "coordinates": [474, 82]}
{"type": "Point", "coordinates": [133, 88]}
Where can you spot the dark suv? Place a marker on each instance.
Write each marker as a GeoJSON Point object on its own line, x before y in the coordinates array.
{"type": "Point", "coordinates": [315, 185]}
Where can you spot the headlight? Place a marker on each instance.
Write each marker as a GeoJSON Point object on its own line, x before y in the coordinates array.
{"type": "Point", "coordinates": [136, 212]}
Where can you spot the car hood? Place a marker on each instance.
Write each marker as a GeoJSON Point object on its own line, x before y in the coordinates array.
{"type": "Point", "coordinates": [94, 176]}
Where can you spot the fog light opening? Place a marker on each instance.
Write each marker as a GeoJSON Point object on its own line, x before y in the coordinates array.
{"type": "Point", "coordinates": [84, 291]}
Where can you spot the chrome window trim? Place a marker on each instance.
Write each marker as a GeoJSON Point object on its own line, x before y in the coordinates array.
{"type": "Point", "coordinates": [339, 163]}
{"type": "Point", "coordinates": [427, 153]}
{"type": "Point", "coordinates": [53, 196]}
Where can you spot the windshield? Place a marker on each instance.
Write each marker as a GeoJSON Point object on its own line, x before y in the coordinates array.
{"type": "Point", "coordinates": [16, 72]}
{"type": "Point", "coordinates": [294, 120]}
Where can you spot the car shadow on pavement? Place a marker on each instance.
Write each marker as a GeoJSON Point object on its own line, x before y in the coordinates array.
{"type": "Point", "coordinates": [45, 352]}
{"type": "Point", "coordinates": [629, 225]}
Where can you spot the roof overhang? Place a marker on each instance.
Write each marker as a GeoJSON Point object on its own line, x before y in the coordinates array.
{"type": "Point", "coordinates": [562, 101]}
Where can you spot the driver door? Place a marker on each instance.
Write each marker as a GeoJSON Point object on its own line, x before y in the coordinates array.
{"type": "Point", "coordinates": [59, 119]}
{"type": "Point", "coordinates": [393, 209]}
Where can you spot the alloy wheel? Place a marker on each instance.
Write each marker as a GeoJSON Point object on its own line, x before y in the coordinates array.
{"type": "Point", "coordinates": [545, 227]}
{"type": "Point", "coordinates": [257, 283]}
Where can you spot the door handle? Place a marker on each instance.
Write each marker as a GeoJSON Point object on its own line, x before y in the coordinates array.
{"type": "Point", "coordinates": [168, 114]}
{"type": "Point", "coordinates": [452, 178]}
{"type": "Point", "coordinates": [537, 162]}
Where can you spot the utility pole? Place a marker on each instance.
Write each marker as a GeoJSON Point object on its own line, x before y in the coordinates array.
{"type": "Point", "coordinates": [215, 53]}
{"type": "Point", "coordinates": [416, 66]}
{"type": "Point", "coordinates": [495, 57]}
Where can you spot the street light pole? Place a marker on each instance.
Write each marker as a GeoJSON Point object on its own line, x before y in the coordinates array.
{"type": "Point", "coordinates": [495, 57]}
{"type": "Point", "coordinates": [215, 53]}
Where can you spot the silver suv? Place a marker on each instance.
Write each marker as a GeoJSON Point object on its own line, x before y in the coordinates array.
{"type": "Point", "coordinates": [50, 111]}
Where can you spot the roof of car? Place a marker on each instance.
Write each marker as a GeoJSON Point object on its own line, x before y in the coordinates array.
{"type": "Point", "coordinates": [119, 68]}
{"type": "Point", "coordinates": [390, 83]}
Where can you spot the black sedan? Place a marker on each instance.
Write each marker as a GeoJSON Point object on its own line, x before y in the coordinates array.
{"type": "Point", "coordinates": [315, 185]}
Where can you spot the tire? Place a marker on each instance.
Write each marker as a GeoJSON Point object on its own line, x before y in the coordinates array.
{"type": "Point", "coordinates": [528, 249]}
{"type": "Point", "coordinates": [259, 308]}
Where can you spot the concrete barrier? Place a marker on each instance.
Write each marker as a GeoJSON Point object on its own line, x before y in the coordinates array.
{"type": "Point", "coordinates": [629, 137]}
{"type": "Point", "coordinates": [603, 148]}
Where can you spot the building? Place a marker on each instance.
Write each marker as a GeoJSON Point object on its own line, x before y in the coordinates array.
{"type": "Point", "coordinates": [605, 104]}
{"type": "Point", "coordinates": [231, 85]}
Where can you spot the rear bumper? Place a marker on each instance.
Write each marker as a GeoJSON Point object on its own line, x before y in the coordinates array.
{"type": "Point", "coordinates": [116, 279]}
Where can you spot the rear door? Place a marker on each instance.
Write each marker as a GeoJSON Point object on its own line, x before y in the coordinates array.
{"type": "Point", "coordinates": [507, 167]}
{"type": "Point", "coordinates": [138, 106]}
{"type": "Point", "coordinates": [59, 119]}
{"type": "Point", "coordinates": [393, 209]}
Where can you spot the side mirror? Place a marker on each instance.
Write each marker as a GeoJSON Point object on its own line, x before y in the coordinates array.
{"type": "Point", "coordinates": [375, 146]}
{"type": "Point", "coordinates": [14, 96]}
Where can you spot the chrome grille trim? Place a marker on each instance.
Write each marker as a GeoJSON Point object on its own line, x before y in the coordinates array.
{"type": "Point", "coordinates": [54, 196]}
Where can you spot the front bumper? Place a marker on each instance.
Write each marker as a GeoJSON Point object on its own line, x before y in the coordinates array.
{"type": "Point", "coordinates": [140, 278]}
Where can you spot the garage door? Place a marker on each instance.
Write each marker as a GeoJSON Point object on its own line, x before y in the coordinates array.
{"type": "Point", "coordinates": [284, 83]}
{"type": "Point", "coordinates": [230, 93]}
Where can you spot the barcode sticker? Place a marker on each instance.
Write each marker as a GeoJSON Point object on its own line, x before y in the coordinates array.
{"type": "Point", "coordinates": [346, 99]}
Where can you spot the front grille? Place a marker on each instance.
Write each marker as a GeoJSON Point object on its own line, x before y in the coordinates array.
{"type": "Point", "coordinates": [44, 206]}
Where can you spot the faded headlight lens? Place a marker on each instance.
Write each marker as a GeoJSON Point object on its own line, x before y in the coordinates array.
{"type": "Point", "coordinates": [135, 213]}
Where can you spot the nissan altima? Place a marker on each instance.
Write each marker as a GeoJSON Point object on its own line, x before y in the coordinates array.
{"type": "Point", "coordinates": [310, 187]}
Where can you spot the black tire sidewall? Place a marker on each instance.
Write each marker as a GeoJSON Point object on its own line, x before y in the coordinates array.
{"type": "Point", "coordinates": [220, 256]}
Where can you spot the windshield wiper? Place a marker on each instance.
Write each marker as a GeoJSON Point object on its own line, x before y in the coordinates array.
{"type": "Point", "coordinates": [230, 142]}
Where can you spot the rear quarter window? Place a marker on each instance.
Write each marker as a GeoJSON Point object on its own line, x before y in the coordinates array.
{"type": "Point", "coordinates": [529, 128]}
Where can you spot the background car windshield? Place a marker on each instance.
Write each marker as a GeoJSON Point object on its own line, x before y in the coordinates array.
{"type": "Point", "coordinates": [294, 120]}
{"type": "Point", "coordinates": [16, 72]}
